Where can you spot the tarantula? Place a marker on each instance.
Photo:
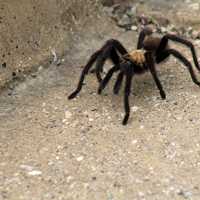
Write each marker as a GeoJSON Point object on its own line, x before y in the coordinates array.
{"type": "Point", "coordinates": [151, 50]}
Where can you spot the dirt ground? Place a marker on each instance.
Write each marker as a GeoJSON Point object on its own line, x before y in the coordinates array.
{"type": "Point", "coordinates": [52, 148]}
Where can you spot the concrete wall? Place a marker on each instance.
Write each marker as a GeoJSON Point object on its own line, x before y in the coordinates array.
{"type": "Point", "coordinates": [31, 29]}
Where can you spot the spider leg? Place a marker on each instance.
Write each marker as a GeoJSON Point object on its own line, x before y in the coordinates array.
{"type": "Point", "coordinates": [127, 90]}
{"type": "Point", "coordinates": [110, 50]}
{"type": "Point", "coordinates": [84, 72]}
{"type": "Point", "coordinates": [146, 31]}
{"type": "Point", "coordinates": [150, 63]}
{"type": "Point", "coordinates": [185, 61]}
{"type": "Point", "coordinates": [175, 38]}
{"type": "Point", "coordinates": [106, 79]}
{"type": "Point", "coordinates": [118, 83]}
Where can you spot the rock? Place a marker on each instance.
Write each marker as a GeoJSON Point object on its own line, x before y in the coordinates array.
{"type": "Point", "coordinates": [124, 21]}
{"type": "Point", "coordinates": [107, 3]}
{"type": "Point", "coordinates": [26, 167]}
{"type": "Point", "coordinates": [134, 108]}
{"type": "Point", "coordinates": [185, 194]}
{"type": "Point", "coordinates": [109, 11]}
{"type": "Point", "coordinates": [190, 30]}
{"type": "Point", "coordinates": [195, 34]}
{"type": "Point", "coordinates": [79, 159]}
{"type": "Point", "coordinates": [134, 28]}
{"type": "Point", "coordinates": [160, 20]}
{"type": "Point", "coordinates": [163, 29]}
{"type": "Point", "coordinates": [172, 29]}
{"type": "Point", "coordinates": [68, 114]}
{"type": "Point", "coordinates": [132, 11]}
{"type": "Point", "coordinates": [35, 173]}
{"type": "Point", "coordinates": [194, 6]}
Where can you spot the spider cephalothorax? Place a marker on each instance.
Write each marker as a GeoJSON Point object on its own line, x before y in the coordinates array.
{"type": "Point", "coordinates": [151, 50]}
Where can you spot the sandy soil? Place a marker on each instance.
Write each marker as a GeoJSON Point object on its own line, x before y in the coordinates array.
{"type": "Point", "coordinates": [52, 148]}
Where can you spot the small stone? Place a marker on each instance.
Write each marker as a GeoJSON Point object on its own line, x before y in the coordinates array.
{"type": "Point", "coordinates": [124, 21]}
{"type": "Point", "coordinates": [141, 194]}
{"type": "Point", "coordinates": [134, 109]}
{"type": "Point", "coordinates": [185, 194]}
{"type": "Point", "coordinates": [91, 119]}
{"type": "Point", "coordinates": [34, 173]}
{"type": "Point", "coordinates": [134, 142]}
{"type": "Point", "coordinates": [141, 127]}
{"type": "Point", "coordinates": [4, 65]}
{"type": "Point", "coordinates": [107, 3]}
{"type": "Point", "coordinates": [190, 29]}
{"type": "Point", "coordinates": [68, 114]}
{"type": "Point", "coordinates": [163, 29]}
{"type": "Point", "coordinates": [131, 12]}
{"type": "Point", "coordinates": [134, 28]}
{"type": "Point", "coordinates": [26, 167]}
{"type": "Point", "coordinates": [40, 68]}
{"type": "Point", "coordinates": [194, 6]}
{"type": "Point", "coordinates": [69, 179]}
{"type": "Point", "coordinates": [79, 159]}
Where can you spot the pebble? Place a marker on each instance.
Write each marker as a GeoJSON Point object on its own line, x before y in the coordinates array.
{"type": "Point", "coordinates": [68, 114]}
{"type": "Point", "coordinates": [134, 28]}
{"type": "Point", "coordinates": [194, 6]}
{"type": "Point", "coordinates": [185, 194]}
{"type": "Point", "coordinates": [124, 21]}
{"type": "Point", "coordinates": [134, 109]}
{"type": "Point", "coordinates": [134, 142]}
{"type": "Point", "coordinates": [91, 119]}
{"type": "Point", "coordinates": [26, 167]}
{"type": "Point", "coordinates": [131, 12]}
{"type": "Point", "coordinates": [79, 159]}
{"type": "Point", "coordinates": [69, 179]}
{"type": "Point", "coordinates": [163, 29]}
{"type": "Point", "coordinates": [35, 173]}
{"type": "Point", "coordinates": [141, 194]}
{"type": "Point", "coordinates": [141, 127]}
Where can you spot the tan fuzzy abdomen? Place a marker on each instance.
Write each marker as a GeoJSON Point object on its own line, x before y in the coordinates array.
{"type": "Point", "coordinates": [137, 56]}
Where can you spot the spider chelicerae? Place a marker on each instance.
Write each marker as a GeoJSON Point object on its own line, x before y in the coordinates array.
{"type": "Point", "coordinates": [151, 50]}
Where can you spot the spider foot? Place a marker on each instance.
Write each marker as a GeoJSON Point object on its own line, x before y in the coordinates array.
{"type": "Point", "coordinates": [116, 90]}
{"type": "Point", "coordinates": [99, 91]}
{"type": "Point", "coordinates": [125, 120]}
{"type": "Point", "coordinates": [197, 83]}
{"type": "Point", "coordinates": [73, 95]}
{"type": "Point", "coordinates": [163, 95]}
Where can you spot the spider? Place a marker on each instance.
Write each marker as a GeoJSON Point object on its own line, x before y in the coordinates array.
{"type": "Point", "coordinates": [151, 50]}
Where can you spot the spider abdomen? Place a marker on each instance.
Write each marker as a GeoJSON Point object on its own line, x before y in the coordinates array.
{"type": "Point", "coordinates": [137, 57]}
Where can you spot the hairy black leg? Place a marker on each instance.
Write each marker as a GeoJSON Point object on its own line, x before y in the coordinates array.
{"type": "Point", "coordinates": [118, 46]}
{"type": "Point", "coordinates": [150, 63]}
{"type": "Point", "coordinates": [179, 56]}
{"type": "Point", "coordinates": [118, 83]}
{"type": "Point", "coordinates": [101, 61]}
{"type": "Point", "coordinates": [84, 72]}
{"type": "Point", "coordinates": [110, 50]}
{"type": "Point", "coordinates": [182, 41]}
{"type": "Point", "coordinates": [126, 98]}
{"type": "Point", "coordinates": [105, 81]}
{"type": "Point", "coordinates": [146, 31]}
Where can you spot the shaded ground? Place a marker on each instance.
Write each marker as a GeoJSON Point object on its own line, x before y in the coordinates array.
{"type": "Point", "coordinates": [52, 148]}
